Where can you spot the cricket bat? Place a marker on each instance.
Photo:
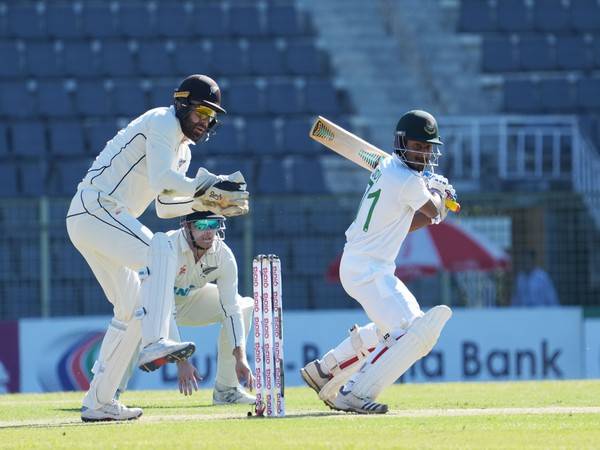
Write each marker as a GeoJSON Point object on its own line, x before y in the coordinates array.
{"type": "Point", "coordinates": [354, 148]}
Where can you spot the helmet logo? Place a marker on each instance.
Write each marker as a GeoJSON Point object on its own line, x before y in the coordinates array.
{"type": "Point", "coordinates": [429, 127]}
{"type": "Point", "coordinates": [214, 89]}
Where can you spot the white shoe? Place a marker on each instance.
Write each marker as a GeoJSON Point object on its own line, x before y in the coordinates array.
{"type": "Point", "coordinates": [164, 351]}
{"type": "Point", "coordinates": [225, 395]}
{"type": "Point", "coordinates": [314, 377]}
{"type": "Point", "coordinates": [113, 411]}
{"type": "Point", "coordinates": [347, 401]}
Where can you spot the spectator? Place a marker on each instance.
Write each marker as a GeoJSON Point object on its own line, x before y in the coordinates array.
{"type": "Point", "coordinates": [533, 286]}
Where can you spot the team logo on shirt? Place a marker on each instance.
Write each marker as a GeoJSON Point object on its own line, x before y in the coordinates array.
{"type": "Point", "coordinates": [207, 270]}
{"type": "Point", "coordinates": [182, 270]}
{"type": "Point", "coordinates": [180, 163]}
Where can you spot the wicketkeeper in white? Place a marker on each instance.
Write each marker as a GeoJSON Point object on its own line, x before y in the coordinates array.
{"type": "Point", "coordinates": [401, 197]}
{"type": "Point", "coordinates": [145, 161]}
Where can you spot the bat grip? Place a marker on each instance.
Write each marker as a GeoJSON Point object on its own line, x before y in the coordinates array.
{"type": "Point", "coordinates": [452, 205]}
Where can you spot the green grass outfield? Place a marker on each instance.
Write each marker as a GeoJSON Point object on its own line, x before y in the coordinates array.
{"type": "Point", "coordinates": [563, 414]}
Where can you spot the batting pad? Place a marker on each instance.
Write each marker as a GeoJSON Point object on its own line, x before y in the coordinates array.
{"type": "Point", "coordinates": [157, 289]}
{"type": "Point", "coordinates": [397, 353]}
{"type": "Point", "coordinates": [119, 345]}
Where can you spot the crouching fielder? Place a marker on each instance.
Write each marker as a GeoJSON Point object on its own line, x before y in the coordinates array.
{"type": "Point", "coordinates": [206, 293]}
{"type": "Point", "coordinates": [399, 198]}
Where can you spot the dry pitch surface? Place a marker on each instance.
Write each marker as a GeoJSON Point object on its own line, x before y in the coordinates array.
{"type": "Point", "coordinates": [562, 414]}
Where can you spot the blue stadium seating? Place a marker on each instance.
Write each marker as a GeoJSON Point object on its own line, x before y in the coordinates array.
{"type": "Point", "coordinates": [8, 181]}
{"type": "Point", "coordinates": [550, 16]}
{"type": "Point", "coordinates": [585, 16]}
{"type": "Point", "coordinates": [229, 58]}
{"type": "Point", "coordinates": [273, 245]}
{"type": "Point", "coordinates": [499, 54]}
{"type": "Point", "coordinates": [80, 59]}
{"type": "Point", "coordinates": [572, 53]}
{"type": "Point", "coordinates": [476, 16]}
{"type": "Point", "coordinates": [67, 138]}
{"type": "Point", "coordinates": [66, 261]}
{"type": "Point", "coordinates": [33, 178]}
{"type": "Point", "coordinates": [596, 53]}
{"type": "Point", "coordinates": [330, 223]}
{"type": "Point", "coordinates": [225, 165]}
{"type": "Point", "coordinates": [289, 219]}
{"type": "Point", "coordinates": [10, 52]}
{"type": "Point", "coordinates": [266, 59]}
{"type": "Point", "coordinates": [303, 58]}
{"type": "Point", "coordinates": [284, 97]}
{"type": "Point", "coordinates": [98, 20]}
{"type": "Point", "coordinates": [98, 133]}
{"type": "Point", "coordinates": [25, 21]}
{"type": "Point", "coordinates": [67, 174]}
{"type": "Point", "coordinates": [92, 99]}
{"type": "Point", "coordinates": [321, 97]}
{"type": "Point", "coordinates": [154, 59]}
{"type": "Point", "coordinates": [54, 100]}
{"type": "Point", "coordinates": [244, 21]}
{"type": "Point", "coordinates": [520, 96]}
{"type": "Point", "coordinates": [295, 137]}
{"type": "Point", "coordinates": [42, 60]}
{"type": "Point", "coordinates": [311, 256]}
{"type": "Point", "coordinates": [173, 20]}
{"type": "Point", "coordinates": [63, 22]}
{"type": "Point", "coordinates": [297, 293]}
{"type": "Point", "coordinates": [28, 258]}
{"type": "Point", "coordinates": [557, 96]}
{"type": "Point", "coordinates": [588, 93]}
{"type": "Point", "coordinates": [225, 140]}
{"type": "Point", "coordinates": [191, 57]}
{"type": "Point", "coordinates": [244, 97]}
{"type": "Point", "coordinates": [536, 53]}
{"type": "Point", "coordinates": [161, 94]}
{"type": "Point", "coordinates": [94, 300]}
{"type": "Point", "coordinates": [117, 59]}
{"type": "Point", "coordinates": [16, 100]}
{"type": "Point", "coordinates": [4, 150]}
{"type": "Point", "coordinates": [328, 295]}
{"type": "Point", "coordinates": [283, 20]}
{"type": "Point", "coordinates": [273, 178]}
{"type": "Point", "coordinates": [135, 20]}
{"type": "Point", "coordinates": [66, 298]}
{"type": "Point", "coordinates": [28, 138]}
{"type": "Point", "coordinates": [308, 176]}
{"type": "Point", "coordinates": [129, 99]}
{"type": "Point", "coordinates": [210, 21]}
{"type": "Point", "coordinates": [513, 16]}
{"type": "Point", "coordinates": [31, 307]}
{"type": "Point", "coordinates": [260, 136]}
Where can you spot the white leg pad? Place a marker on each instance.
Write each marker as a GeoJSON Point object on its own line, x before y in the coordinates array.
{"type": "Point", "coordinates": [119, 345]}
{"type": "Point", "coordinates": [344, 360]}
{"type": "Point", "coordinates": [398, 352]}
{"type": "Point", "coordinates": [157, 289]}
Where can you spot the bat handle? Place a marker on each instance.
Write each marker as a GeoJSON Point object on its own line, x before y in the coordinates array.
{"type": "Point", "coordinates": [452, 205]}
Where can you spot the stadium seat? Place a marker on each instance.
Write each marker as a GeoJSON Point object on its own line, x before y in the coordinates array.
{"type": "Point", "coordinates": [536, 53]}
{"type": "Point", "coordinates": [66, 298]}
{"type": "Point", "coordinates": [295, 137]}
{"type": "Point", "coordinates": [333, 223]}
{"type": "Point", "coordinates": [10, 52]}
{"type": "Point", "coordinates": [273, 245]}
{"type": "Point", "coordinates": [321, 97]}
{"type": "Point", "coordinates": [54, 99]}
{"type": "Point", "coordinates": [33, 186]}
{"type": "Point", "coordinates": [99, 133]}
{"type": "Point", "coordinates": [557, 96]}
{"type": "Point", "coordinates": [573, 53]}
{"type": "Point", "coordinates": [94, 300]}
{"type": "Point", "coordinates": [266, 59]}
{"type": "Point", "coordinates": [135, 20]}
{"type": "Point", "coordinates": [289, 219]}
{"type": "Point", "coordinates": [273, 177]}
{"type": "Point", "coordinates": [307, 175]}
{"type": "Point", "coordinates": [8, 181]}
{"type": "Point", "coordinates": [26, 20]}
{"type": "Point", "coordinates": [98, 20]}
{"type": "Point", "coordinates": [92, 99]}
{"type": "Point", "coordinates": [588, 94]}
{"type": "Point", "coordinates": [66, 175]}
{"type": "Point", "coordinates": [81, 59]}
{"type": "Point", "coordinates": [284, 97]}
{"type": "Point", "coordinates": [585, 16]}
{"type": "Point", "coordinates": [283, 20]}
{"type": "Point", "coordinates": [210, 21]}
{"type": "Point", "coordinates": [303, 58]}
{"type": "Point", "coordinates": [173, 20]}
{"type": "Point", "coordinates": [311, 256]}
{"type": "Point", "coordinates": [260, 136]}
{"type": "Point", "coordinates": [28, 138]}
{"type": "Point", "coordinates": [117, 59]}
{"type": "Point", "coordinates": [161, 93]}
{"type": "Point", "coordinates": [229, 58]}
{"type": "Point", "coordinates": [4, 149]}
{"type": "Point", "coordinates": [191, 57]}
{"type": "Point", "coordinates": [26, 302]}
{"type": "Point", "coordinates": [297, 293]}
{"type": "Point", "coordinates": [67, 262]}
{"type": "Point", "coordinates": [128, 98]}
{"type": "Point", "coordinates": [226, 140]}
{"type": "Point", "coordinates": [42, 59]}
{"type": "Point", "coordinates": [67, 138]}
{"type": "Point", "coordinates": [513, 16]}
{"type": "Point", "coordinates": [328, 295]}
{"type": "Point", "coordinates": [550, 16]}
{"type": "Point", "coordinates": [245, 21]}
{"type": "Point", "coordinates": [596, 53]}
{"type": "Point", "coordinates": [521, 96]}
{"type": "Point", "coordinates": [244, 97]}
{"type": "Point", "coordinates": [498, 54]}
{"type": "Point", "coordinates": [476, 16]}
{"type": "Point", "coordinates": [16, 100]}
{"type": "Point", "coordinates": [63, 22]}
{"type": "Point", "coordinates": [154, 59]}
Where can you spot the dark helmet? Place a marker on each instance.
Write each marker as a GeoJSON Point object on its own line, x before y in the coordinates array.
{"type": "Point", "coordinates": [193, 92]}
{"type": "Point", "coordinates": [417, 125]}
{"type": "Point", "coordinates": [203, 221]}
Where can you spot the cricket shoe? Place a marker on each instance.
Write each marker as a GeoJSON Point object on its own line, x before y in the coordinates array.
{"type": "Point", "coordinates": [164, 351]}
{"type": "Point", "coordinates": [112, 412]}
{"type": "Point", "coordinates": [315, 378]}
{"type": "Point", "coordinates": [226, 395]}
{"type": "Point", "coordinates": [347, 401]}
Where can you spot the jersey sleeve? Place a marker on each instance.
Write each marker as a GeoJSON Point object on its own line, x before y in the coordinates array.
{"type": "Point", "coordinates": [168, 206]}
{"type": "Point", "coordinates": [162, 143]}
{"type": "Point", "coordinates": [415, 192]}
{"type": "Point", "coordinates": [227, 283]}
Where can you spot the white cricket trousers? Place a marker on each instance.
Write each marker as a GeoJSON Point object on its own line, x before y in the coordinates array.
{"type": "Point", "coordinates": [202, 308]}
{"type": "Point", "coordinates": [385, 299]}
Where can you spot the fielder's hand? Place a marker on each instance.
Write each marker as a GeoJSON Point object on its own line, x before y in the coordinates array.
{"type": "Point", "coordinates": [188, 377]}
{"type": "Point", "coordinates": [242, 370]}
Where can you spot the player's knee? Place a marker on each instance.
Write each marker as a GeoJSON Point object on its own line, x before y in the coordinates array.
{"type": "Point", "coordinates": [427, 329]}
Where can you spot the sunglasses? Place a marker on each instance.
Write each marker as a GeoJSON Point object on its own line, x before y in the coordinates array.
{"type": "Point", "coordinates": [207, 224]}
{"type": "Point", "coordinates": [204, 111]}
